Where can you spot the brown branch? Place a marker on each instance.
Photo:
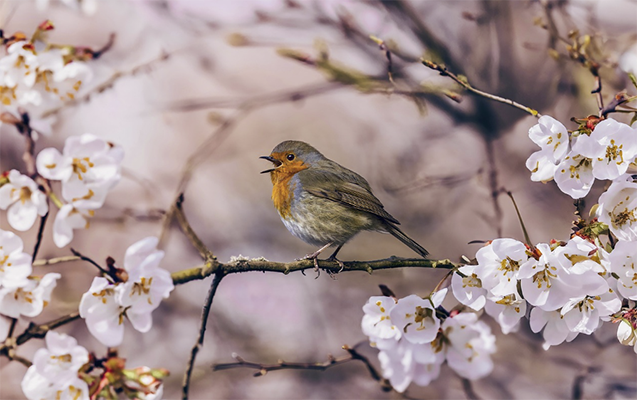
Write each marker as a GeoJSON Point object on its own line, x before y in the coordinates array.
{"type": "Point", "coordinates": [445, 72]}
{"type": "Point", "coordinates": [263, 265]}
{"type": "Point", "coordinates": [202, 330]}
{"type": "Point", "coordinates": [315, 366]}
{"type": "Point", "coordinates": [189, 232]}
{"type": "Point", "coordinates": [35, 331]}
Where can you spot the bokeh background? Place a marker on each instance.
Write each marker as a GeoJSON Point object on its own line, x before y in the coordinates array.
{"type": "Point", "coordinates": [225, 95]}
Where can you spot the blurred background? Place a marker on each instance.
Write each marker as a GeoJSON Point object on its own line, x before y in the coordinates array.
{"type": "Point", "coordinates": [217, 84]}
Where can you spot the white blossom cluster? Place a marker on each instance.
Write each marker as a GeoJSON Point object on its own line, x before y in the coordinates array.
{"type": "Point", "coordinates": [88, 168]}
{"type": "Point", "coordinates": [54, 373]}
{"type": "Point", "coordinates": [106, 303]}
{"type": "Point", "coordinates": [564, 289]}
{"type": "Point", "coordinates": [37, 77]}
{"type": "Point", "coordinates": [414, 342]}
{"type": "Point", "coordinates": [21, 294]}
{"type": "Point", "coordinates": [574, 161]}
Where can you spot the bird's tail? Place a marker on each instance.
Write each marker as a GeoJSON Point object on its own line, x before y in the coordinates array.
{"type": "Point", "coordinates": [400, 235]}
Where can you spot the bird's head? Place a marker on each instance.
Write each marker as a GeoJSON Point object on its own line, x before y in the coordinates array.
{"type": "Point", "coordinates": [290, 157]}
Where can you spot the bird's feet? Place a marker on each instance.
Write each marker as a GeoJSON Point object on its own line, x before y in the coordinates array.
{"type": "Point", "coordinates": [313, 257]}
{"type": "Point", "coordinates": [339, 262]}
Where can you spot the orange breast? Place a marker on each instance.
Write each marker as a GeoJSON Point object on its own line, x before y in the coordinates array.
{"type": "Point", "coordinates": [282, 196]}
{"type": "Point", "coordinates": [282, 193]}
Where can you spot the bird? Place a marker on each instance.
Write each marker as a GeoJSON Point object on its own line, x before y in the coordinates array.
{"type": "Point", "coordinates": [325, 204]}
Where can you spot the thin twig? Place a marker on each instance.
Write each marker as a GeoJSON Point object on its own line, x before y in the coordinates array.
{"type": "Point", "coordinates": [331, 361]}
{"type": "Point", "coordinates": [265, 368]}
{"type": "Point", "coordinates": [87, 259]}
{"type": "Point", "coordinates": [57, 260]}
{"type": "Point", "coordinates": [38, 241]}
{"type": "Point", "coordinates": [517, 211]}
{"type": "Point", "coordinates": [445, 72]}
{"type": "Point", "coordinates": [188, 231]}
{"type": "Point", "coordinates": [202, 330]}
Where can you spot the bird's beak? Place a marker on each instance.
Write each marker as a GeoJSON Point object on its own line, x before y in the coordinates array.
{"type": "Point", "coordinates": [274, 161]}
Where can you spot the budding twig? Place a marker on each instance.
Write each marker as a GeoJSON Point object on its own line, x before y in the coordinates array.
{"type": "Point", "coordinates": [445, 72]}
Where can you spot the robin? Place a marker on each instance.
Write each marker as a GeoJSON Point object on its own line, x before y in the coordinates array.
{"type": "Point", "coordinates": [323, 203]}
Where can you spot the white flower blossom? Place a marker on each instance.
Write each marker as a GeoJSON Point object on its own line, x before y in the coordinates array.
{"type": "Point", "coordinates": [583, 314]}
{"type": "Point", "coordinates": [69, 218]}
{"type": "Point", "coordinates": [61, 359]}
{"type": "Point", "coordinates": [507, 310]}
{"type": "Point", "coordinates": [376, 322]}
{"type": "Point", "coordinates": [17, 68]}
{"type": "Point", "coordinates": [555, 329]}
{"type": "Point", "coordinates": [626, 334]}
{"type": "Point", "coordinates": [540, 280]}
{"type": "Point", "coordinates": [550, 134]}
{"type": "Point", "coordinates": [24, 201]}
{"type": "Point", "coordinates": [617, 209]}
{"type": "Point", "coordinates": [612, 146]}
{"type": "Point", "coordinates": [622, 263]}
{"type": "Point", "coordinates": [407, 362]}
{"type": "Point", "coordinates": [28, 300]}
{"type": "Point", "coordinates": [104, 316]}
{"type": "Point", "coordinates": [541, 165]}
{"type": "Point", "coordinates": [15, 266]}
{"type": "Point", "coordinates": [574, 175]}
{"type": "Point", "coordinates": [106, 304]}
{"type": "Point", "coordinates": [88, 167]}
{"type": "Point", "coordinates": [54, 373]}
{"type": "Point", "coordinates": [468, 290]}
{"type": "Point", "coordinates": [471, 345]}
{"type": "Point", "coordinates": [147, 284]}
{"type": "Point", "coordinates": [416, 317]}
{"type": "Point", "coordinates": [553, 139]}
{"type": "Point", "coordinates": [498, 265]}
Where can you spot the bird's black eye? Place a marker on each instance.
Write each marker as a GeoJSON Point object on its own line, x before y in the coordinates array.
{"type": "Point", "coordinates": [290, 157]}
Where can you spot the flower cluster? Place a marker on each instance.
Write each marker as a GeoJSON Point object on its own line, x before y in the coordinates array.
{"type": "Point", "coordinates": [38, 76]}
{"type": "Point", "coordinates": [415, 338]}
{"type": "Point", "coordinates": [598, 150]}
{"type": "Point", "coordinates": [137, 292]}
{"type": "Point", "coordinates": [65, 370]}
{"type": "Point", "coordinates": [21, 294]}
{"type": "Point", "coordinates": [569, 287]}
{"type": "Point", "coordinates": [55, 370]}
{"type": "Point", "coordinates": [88, 168]}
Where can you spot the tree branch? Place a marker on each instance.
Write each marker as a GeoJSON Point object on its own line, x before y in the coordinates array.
{"type": "Point", "coordinates": [202, 330]}
{"type": "Point", "coordinates": [263, 265]}
{"type": "Point", "coordinates": [331, 361]}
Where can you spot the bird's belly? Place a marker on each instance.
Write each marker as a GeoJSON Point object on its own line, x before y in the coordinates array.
{"type": "Point", "coordinates": [319, 221]}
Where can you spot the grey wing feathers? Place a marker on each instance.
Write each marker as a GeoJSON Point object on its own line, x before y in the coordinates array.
{"type": "Point", "coordinates": [350, 189]}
